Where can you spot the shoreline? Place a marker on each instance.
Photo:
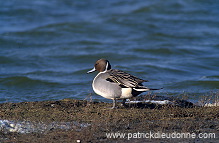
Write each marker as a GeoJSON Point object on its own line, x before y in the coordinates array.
{"type": "Point", "coordinates": [100, 121]}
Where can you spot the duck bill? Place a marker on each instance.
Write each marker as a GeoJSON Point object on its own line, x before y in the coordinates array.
{"type": "Point", "coordinates": [93, 70]}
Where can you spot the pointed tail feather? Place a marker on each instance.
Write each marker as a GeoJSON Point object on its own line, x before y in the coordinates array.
{"type": "Point", "coordinates": [145, 89]}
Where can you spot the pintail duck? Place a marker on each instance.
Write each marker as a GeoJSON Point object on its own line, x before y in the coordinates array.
{"type": "Point", "coordinates": [116, 84]}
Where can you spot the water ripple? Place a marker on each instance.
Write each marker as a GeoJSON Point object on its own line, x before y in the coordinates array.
{"type": "Point", "coordinates": [47, 47]}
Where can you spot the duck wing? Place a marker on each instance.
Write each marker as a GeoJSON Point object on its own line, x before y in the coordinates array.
{"type": "Point", "coordinates": [124, 78]}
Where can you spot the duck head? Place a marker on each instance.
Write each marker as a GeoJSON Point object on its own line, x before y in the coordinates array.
{"type": "Point", "coordinates": [101, 65]}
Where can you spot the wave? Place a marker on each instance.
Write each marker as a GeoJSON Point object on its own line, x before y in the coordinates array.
{"type": "Point", "coordinates": [22, 81]}
{"type": "Point", "coordinates": [195, 85]}
{"type": "Point", "coordinates": [168, 50]}
{"type": "Point", "coordinates": [5, 60]}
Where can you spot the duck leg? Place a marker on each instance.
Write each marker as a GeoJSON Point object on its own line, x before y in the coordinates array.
{"type": "Point", "coordinates": [114, 103]}
{"type": "Point", "coordinates": [123, 102]}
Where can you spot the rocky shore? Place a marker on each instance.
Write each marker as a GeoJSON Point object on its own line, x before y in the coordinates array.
{"type": "Point", "coordinates": [71, 120]}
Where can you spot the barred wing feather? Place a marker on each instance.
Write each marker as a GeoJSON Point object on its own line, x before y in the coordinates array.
{"type": "Point", "coordinates": [124, 78]}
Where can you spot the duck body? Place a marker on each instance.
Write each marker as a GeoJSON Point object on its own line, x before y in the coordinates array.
{"type": "Point", "coordinates": [104, 85]}
{"type": "Point", "coordinates": [116, 84]}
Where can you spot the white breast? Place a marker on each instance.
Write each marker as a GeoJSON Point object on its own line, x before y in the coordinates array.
{"type": "Point", "coordinates": [105, 88]}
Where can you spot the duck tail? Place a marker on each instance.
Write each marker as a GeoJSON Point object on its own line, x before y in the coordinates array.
{"type": "Point", "coordinates": [145, 89]}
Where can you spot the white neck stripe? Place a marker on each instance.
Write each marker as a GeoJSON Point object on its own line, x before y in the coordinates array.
{"type": "Point", "coordinates": [106, 67]}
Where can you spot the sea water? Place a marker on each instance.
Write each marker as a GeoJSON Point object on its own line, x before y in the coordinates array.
{"type": "Point", "coordinates": [46, 47]}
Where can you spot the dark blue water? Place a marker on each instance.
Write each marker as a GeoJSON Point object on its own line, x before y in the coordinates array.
{"type": "Point", "coordinates": [48, 46]}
